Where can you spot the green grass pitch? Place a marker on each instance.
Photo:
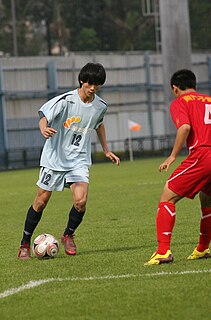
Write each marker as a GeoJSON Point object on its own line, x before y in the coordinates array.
{"type": "Point", "coordinates": [106, 280]}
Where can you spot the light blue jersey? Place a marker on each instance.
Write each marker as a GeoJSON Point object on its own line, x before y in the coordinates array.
{"type": "Point", "coordinates": [74, 121]}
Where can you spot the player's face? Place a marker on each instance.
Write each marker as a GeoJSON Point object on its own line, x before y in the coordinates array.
{"type": "Point", "coordinates": [89, 90]}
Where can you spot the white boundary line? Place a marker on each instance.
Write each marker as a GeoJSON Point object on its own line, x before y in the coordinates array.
{"type": "Point", "coordinates": [150, 183]}
{"type": "Point", "coordinates": [36, 283]}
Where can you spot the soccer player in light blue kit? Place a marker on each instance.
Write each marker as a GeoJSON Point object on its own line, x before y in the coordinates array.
{"type": "Point", "coordinates": [67, 122]}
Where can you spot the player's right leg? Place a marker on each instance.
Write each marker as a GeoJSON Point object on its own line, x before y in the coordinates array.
{"type": "Point", "coordinates": [33, 217]}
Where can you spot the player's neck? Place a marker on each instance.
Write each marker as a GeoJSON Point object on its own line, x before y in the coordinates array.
{"type": "Point", "coordinates": [189, 90]}
{"type": "Point", "coordinates": [181, 92]}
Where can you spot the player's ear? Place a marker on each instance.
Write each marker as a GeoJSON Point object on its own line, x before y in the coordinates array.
{"type": "Point", "coordinates": [175, 90]}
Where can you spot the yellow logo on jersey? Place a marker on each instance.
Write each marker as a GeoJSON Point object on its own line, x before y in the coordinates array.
{"type": "Point", "coordinates": [192, 97]}
{"type": "Point", "coordinates": [71, 120]}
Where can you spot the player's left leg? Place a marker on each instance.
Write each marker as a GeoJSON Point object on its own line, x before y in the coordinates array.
{"type": "Point", "coordinates": [80, 194]}
{"type": "Point", "coordinates": [202, 250]}
{"type": "Point", "coordinates": [165, 221]}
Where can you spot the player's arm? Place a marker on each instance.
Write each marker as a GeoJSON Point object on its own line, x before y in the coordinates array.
{"type": "Point", "coordinates": [46, 131]}
{"type": "Point", "coordinates": [102, 137]}
{"type": "Point", "coordinates": [181, 137]}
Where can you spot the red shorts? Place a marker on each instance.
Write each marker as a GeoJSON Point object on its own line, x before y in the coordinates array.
{"type": "Point", "coordinates": [193, 174]}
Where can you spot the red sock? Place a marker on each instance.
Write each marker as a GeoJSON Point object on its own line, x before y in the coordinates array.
{"type": "Point", "coordinates": [205, 229]}
{"type": "Point", "coordinates": [165, 223]}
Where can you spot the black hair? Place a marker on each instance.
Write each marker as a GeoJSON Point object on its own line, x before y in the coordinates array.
{"type": "Point", "coordinates": [93, 73]}
{"type": "Point", "coordinates": [184, 79]}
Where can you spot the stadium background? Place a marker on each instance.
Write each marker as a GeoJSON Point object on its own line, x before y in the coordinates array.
{"type": "Point", "coordinates": [134, 90]}
{"type": "Point", "coordinates": [137, 86]}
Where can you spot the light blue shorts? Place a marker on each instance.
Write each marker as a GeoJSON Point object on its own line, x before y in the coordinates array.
{"type": "Point", "coordinates": [51, 180]}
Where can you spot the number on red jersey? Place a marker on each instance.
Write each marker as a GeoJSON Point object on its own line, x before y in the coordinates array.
{"type": "Point", "coordinates": [207, 116]}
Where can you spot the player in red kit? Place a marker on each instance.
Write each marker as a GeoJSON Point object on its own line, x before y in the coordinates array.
{"type": "Point", "coordinates": [191, 114]}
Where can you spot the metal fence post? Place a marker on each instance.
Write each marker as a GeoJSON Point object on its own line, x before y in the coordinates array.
{"type": "Point", "coordinates": [3, 132]}
{"type": "Point", "coordinates": [149, 97]}
{"type": "Point", "coordinates": [52, 79]}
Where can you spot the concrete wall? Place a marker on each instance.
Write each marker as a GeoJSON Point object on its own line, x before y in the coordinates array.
{"type": "Point", "coordinates": [133, 88]}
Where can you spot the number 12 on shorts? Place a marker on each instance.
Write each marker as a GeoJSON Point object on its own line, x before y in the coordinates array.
{"type": "Point", "coordinates": [46, 177]}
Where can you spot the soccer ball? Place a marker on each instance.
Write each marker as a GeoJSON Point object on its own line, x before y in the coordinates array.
{"type": "Point", "coordinates": [45, 246]}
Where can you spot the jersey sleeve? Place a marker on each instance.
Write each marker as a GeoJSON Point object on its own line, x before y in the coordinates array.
{"type": "Point", "coordinates": [179, 113]}
{"type": "Point", "coordinates": [100, 119]}
{"type": "Point", "coordinates": [51, 111]}
{"type": "Point", "coordinates": [52, 108]}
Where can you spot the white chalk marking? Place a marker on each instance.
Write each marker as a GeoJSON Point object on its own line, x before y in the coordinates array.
{"type": "Point", "coordinates": [36, 283]}
{"type": "Point", "coordinates": [150, 183]}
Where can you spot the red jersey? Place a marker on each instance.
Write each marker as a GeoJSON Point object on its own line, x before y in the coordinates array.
{"type": "Point", "coordinates": [194, 109]}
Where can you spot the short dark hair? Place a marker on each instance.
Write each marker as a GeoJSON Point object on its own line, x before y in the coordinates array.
{"type": "Point", "coordinates": [93, 73]}
{"type": "Point", "coordinates": [184, 79]}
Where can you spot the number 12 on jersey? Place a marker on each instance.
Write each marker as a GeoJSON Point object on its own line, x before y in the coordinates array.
{"type": "Point", "coordinates": [76, 139]}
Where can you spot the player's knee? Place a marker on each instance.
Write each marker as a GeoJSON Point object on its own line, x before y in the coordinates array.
{"type": "Point", "coordinates": [40, 203]}
{"type": "Point", "coordinates": [80, 205]}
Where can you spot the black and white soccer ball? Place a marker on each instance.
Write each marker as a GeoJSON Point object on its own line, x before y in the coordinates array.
{"type": "Point", "coordinates": [45, 246]}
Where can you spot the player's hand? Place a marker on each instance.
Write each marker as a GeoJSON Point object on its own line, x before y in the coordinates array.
{"type": "Point", "coordinates": [48, 132]}
{"type": "Point", "coordinates": [166, 164]}
{"type": "Point", "coordinates": [163, 166]}
{"type": "Point", "coordinates": [113, 157]}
